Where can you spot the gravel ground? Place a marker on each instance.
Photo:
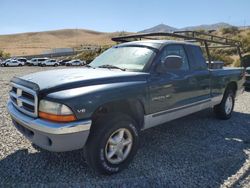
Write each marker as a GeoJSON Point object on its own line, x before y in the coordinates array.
{"type": "Point", "coordinates": [195, 151]}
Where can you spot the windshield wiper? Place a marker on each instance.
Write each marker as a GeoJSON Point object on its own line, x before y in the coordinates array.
{"type": "Point", "coordinates": [111, 67]}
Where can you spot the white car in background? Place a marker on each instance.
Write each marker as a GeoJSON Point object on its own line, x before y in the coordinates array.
{"type": "Point", "coordinates": [50, 62]}
{"type": "Point", "coordinates": [13, 63]}
{"type": "Point", "coordinates": [21, 59]}
{"type": "Point", "coordinates": [75, 63]}
{"type": "Point", "coordinates": [36, 61]}
{"type": "Point", "coordinates": [4, 62]}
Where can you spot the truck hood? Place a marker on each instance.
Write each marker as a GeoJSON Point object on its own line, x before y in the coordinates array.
{"type": "Point", "coordinates": [61, 79]}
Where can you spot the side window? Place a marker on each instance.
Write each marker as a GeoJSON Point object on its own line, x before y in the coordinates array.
{"type": "Point", "coordinates": [176, 49]}
{"type": "Point", "coordinates": [198, 58]}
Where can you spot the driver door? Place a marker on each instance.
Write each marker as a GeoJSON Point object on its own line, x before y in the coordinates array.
{"type": "Point", "coordinates": [174, 88]}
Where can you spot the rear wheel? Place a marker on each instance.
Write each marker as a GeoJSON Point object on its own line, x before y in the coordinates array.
{"type": "Point", "coordinates": [225, 108]}
{"type": "Point", "coordinates": [112, 143]}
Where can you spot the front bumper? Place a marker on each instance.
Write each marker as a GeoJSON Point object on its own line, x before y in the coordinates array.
{"type": "Point", "coordinates": [48, 135]}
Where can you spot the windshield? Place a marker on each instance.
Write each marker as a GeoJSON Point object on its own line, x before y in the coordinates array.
{"type": "Point", "coordinates": [131, 58]}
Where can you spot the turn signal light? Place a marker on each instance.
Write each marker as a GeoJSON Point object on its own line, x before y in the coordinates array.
{"type": "Point", "coordinates": [57, 118]}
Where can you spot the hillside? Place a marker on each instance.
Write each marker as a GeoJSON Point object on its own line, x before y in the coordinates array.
{"type": "Point", "coordinates": [37, 42]}
{"type": "Point", "coordinates": [167, 28]}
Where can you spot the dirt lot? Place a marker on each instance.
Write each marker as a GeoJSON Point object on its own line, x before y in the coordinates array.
{"type": "Point", "coordinates": [195, 151]}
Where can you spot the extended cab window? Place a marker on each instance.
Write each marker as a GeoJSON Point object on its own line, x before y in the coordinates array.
{"type": "Point", "coordinates": [178, 50]}
{"type": "Point", "coordinates": [197, 58]}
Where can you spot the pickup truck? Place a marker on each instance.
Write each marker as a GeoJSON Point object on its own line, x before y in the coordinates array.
{"type": "Point", "coordinates": [103, 107]}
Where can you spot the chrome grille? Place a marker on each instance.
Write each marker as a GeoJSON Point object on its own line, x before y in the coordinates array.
{"type": "Point", "coordinates": [24, 99]}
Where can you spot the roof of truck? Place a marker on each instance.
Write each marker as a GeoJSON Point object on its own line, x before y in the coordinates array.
{"type": "Point", "coordinates": [154, 43]}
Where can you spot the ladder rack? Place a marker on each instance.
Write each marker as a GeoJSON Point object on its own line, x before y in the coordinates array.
{"type": "Point", "coordinates": [194, 36]}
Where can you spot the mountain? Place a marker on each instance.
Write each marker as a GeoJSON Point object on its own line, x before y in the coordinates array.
{"type": "Point", "coordinates": [159, 28]}
{"type": "Point", "coordinates": [208, 27]}
{"type": "Point", "coordinates": [167, 28]}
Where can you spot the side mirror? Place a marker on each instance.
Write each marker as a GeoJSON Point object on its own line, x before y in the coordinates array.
{"type": "Point", "coordinates": [171, 62]}
{"type": "Point", "coordinates": [245, 61]}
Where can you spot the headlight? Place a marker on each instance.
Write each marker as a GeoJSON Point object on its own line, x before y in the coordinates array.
{"type": "Point", "coordinates": [55, 111]}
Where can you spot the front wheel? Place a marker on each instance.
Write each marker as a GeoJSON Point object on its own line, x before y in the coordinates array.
{"type": "Point", "coordinates": [225, 108]}
{"type": "Point", "coordinates": [112, 143]}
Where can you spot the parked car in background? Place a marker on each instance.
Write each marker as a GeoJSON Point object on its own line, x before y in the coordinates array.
{"type": "Point", "coordinates": [31, 62]}
{"type": "Point", "coordinates": [63, 62]}
{"type": "Point", "coordinates": [21, 59]}
{"type": "Point", "coordinates": [75, 63]}
{"type": "Point", "coordinates": [49, 62]}
{"type": "Point", "coordinates": [13, 63]}
{"type": "Point", "coordinates": [4, 62]}
{"type": "Point", "coordinates": [36, 61]}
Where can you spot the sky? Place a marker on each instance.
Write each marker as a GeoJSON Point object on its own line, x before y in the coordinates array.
{"type": "Point", "coordinates": [17, 16]}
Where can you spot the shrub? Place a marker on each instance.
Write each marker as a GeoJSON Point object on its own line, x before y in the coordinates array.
{"type": "Point", "coordinates": [4, 55]}
{"type": "Point", "coordinates": [222, 57]}
{"type": "Point", "coordinates": [230, 30]}
{"type": "Point", "coordinates": [246, 44]}
{"type": "Point", "coordinates": [237, 63]}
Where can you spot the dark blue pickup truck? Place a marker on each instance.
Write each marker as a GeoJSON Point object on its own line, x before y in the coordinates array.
{"type": "Point", "coordinates": [130, 87]}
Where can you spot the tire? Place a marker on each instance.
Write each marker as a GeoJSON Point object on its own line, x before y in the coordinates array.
{"type": "Point", "coordinates": [19, 65]}
{"type": "Point", "coordinates": [99, 143]}
{"type": "Point", "coordinates": [225, 108]}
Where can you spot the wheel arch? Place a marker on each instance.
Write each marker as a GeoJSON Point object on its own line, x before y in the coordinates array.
{"type": "Point", "coordinates": [132, 107]}
{"type": "Point", "coordinates": [232, 85]}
